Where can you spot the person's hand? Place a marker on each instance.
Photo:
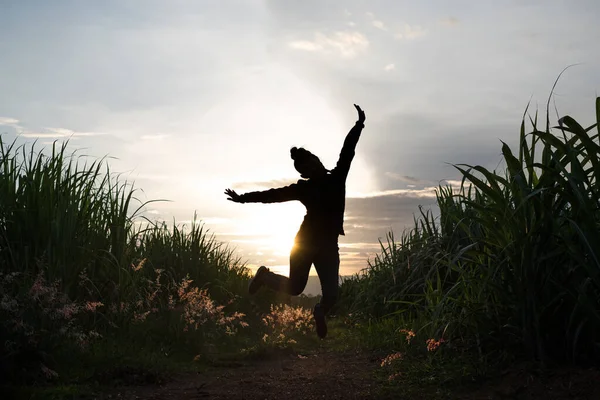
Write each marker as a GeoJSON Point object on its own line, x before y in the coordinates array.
{"type": "Point", "coordinates": [233, 196]}
{"type": "Point", "coordinates": [361, 114]}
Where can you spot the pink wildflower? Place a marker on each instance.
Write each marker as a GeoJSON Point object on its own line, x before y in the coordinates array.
{"type": "Point", "coordinates": [140, 317]}
{"type": "Point", "coordinates": [394, 376]}
{"type": "Point", "coordinates": [93, 305]}
{"type": "Point", "coordinates": [68, 311]}
{"type": "Point", "coordinates": [391, 358]}
{"type": "Point", "coordinates": [139, 266]}
{"type": "Point", "coordinates": [410, 334]}
{"type": "Point", "coordinates": [433, 344]}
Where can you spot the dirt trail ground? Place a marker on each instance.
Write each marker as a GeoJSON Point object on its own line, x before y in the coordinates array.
{"type": "Point", "coordinates": [325, 375]}
{"type": "Point", "coordinates": [333, 375]}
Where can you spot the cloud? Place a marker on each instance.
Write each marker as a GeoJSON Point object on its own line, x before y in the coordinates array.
{"type": "Point", "coordinates": [359, 246]}
{"type": "Point", "coordinates": [405, 178]}
{"type": "Point", "coordinates": [154, 137]}
{"type": "Point", "coordinates": [374, 216]}
{"type": "Point", "coordinates": [151, 177]}
{"type": "Point", "coordinates": [41, 135]}
{"type": "Point", "coordinates": [58, 133]}
{"type": "Point", "coordinates": [411, 32]}
{"type": "Point", "coordinates": [379, 25]}
{"type": "Point", "coordinates": [215, 220]}
{"type": "Point", "coordinates": [7, 121]}
{"type": "Point", "coordinates": [306, 45]}
{"type": "Point", "coordinates": [389, 67]}
{"type": "Point", "coordinates": [346, 43]}
{"type": "Point", "coordinates": [426, 189]}
{"type": "Point", "coordinates": [376, 22]}
{"type": "Point", "coordinates": [424, 192]}
{"type": "Point", "coordinates": [275, 183]}
{"type": "Point", "coordinates": [450, 21]}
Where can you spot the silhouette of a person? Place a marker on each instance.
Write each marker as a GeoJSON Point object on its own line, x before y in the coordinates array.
{"type": "Point", "coordinates": [323, 194]}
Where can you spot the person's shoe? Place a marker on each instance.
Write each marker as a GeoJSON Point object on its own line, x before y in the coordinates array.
{"type": "Point", "coordinates": [319, 315]}
{"type": "Point", "coordinates": [258, 280]}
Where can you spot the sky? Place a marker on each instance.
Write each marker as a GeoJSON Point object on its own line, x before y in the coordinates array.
{"type": "Point", "coordinates": [189, 98]}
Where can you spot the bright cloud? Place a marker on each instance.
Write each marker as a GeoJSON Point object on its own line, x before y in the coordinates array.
{"type": "Point", "coordinates": [425, 192]}
{"type": "Point", "coordinates": [409, 32]}
{"type": "Point", "coordinates": [306, 45]}
{"type": "Point", "coordinates": [6, 121]}
{"type": "Point", "coordinates": [57, 133]}
{"type": "Point", "coordinates": [379, 25]}
{"type": "Point", "coordinates": [346, 43]}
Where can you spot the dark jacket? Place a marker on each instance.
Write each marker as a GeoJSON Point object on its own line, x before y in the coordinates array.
{"type": "Point", "coordinates": [323, 197]}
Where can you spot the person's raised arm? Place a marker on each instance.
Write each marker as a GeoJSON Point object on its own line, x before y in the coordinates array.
{"type": "Point", "coordinates": [279, 195]}
{"type": "Point", "coordinates": [347, 153]}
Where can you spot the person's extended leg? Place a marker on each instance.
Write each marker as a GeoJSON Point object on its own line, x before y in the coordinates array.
{"type": "Point", "coordinates": [327, 264]}
{"type": "Point", "coordinates": [301, 259]}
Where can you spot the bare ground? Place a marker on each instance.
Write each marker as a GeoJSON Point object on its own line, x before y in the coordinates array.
{"type": "Point", "coordinates": [351, 375]}
{"type": "Point", "coordinates": [325, 375]}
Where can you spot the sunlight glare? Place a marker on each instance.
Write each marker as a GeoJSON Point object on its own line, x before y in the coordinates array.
{"type": "Point", "coordinates": [277, 226]}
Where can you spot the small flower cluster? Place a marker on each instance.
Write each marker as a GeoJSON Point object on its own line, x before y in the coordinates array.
{"type": "Point", "coordinates": [285, 320]}
{"type": "Point", "coordinates": [37, 315]}
{"type": "Point", "coordinates": [391, 358]}
{"type": "Point", "coordinates": [395, 376]}
{"type": "Point", "coordinates": [433, 344]}
{"type": "Point", "coordinates": [199, 308]}
{"type": "Point", "coordinates": [160, 295]}
{"type": "Point", "coordinates": [42, 317]}
{"type": "Point", "coordinates": [410, 334]}
{"type": "Point", "coordinates": [389, 361]}
{"type": "Point", "coordinates": [55, 308]}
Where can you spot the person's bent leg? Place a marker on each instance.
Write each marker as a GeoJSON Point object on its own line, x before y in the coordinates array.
{"type": "Point", "coordinates": [301, 259]}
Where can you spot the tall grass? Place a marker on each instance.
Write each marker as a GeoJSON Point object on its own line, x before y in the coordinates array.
{"type": "Point", "coordinates": [68, 216]}
{"type": "Point", "coordinates": [513, 261]}
{"type": "Point", "coordinates": [72, 240]}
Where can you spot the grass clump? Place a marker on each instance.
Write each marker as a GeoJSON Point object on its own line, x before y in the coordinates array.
{"type": "Point", "coordinates": [79, 264]}
{"type": "Point", "coordinates": [511, 266]}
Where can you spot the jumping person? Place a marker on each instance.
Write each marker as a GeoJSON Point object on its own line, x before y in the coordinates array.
{"type": "Point", "coordinates": [323, 194]}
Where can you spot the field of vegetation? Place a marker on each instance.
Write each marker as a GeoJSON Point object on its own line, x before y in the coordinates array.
{"type": "Point", "coordinates": [508, 274]}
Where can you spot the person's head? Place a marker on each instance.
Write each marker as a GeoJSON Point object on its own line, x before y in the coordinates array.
{"type": "Point", "coordinates": [307, 163]}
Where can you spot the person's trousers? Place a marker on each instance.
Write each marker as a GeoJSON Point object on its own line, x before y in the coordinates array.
{"type": "Point", "coordinates": [326, 259]}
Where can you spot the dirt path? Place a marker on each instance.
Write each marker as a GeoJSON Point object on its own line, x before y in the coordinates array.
{"type": "Point", "coordinates": [331, 375]}
{"type": "Point", "coordinates": [324, 375]}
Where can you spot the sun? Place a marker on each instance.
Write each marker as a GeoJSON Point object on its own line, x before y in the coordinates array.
{"type": "Point", "coordinates": [275, 227]}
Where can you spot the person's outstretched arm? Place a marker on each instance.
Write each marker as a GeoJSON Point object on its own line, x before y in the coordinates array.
{"type": "Point", "coordinates": [347, 154]}
{"type": "Point", "coordinates": [279, 195]}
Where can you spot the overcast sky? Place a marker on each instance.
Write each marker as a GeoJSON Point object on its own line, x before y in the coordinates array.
{"type": "Point", "coordinates": [192, 97]}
